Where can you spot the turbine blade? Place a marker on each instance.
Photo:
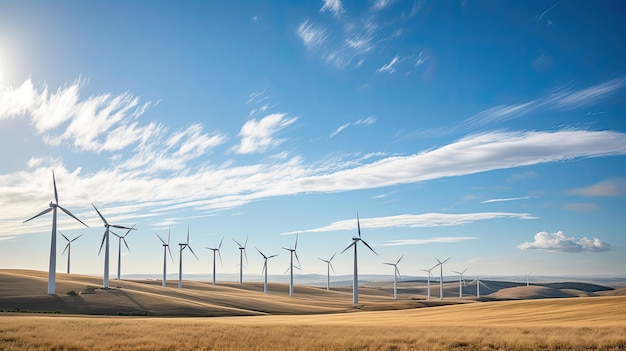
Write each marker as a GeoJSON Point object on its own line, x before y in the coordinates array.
{"type": "Point", "coordinates": [245, 242]}
{"type": "Point", "coordinates": [237, 242]}
{"type": "Point", "coordinates": [54, 183]}
{"type": "Point", "coordinates": [358, 224]}
{"type": "Point", "coordinates": [349, 246]}
{"type": "Point", "coordinates": [264, 267]}
{"type": "Point", "coordinates": [295, 246]}
{"type": "Point", "coordinates": [260, 252]}
{"type": "Point", "coordinates": [331, 257]}
{"type": "Point", "coordinates": [102, 244]}
{"type": "Point", "coordinates": [220, 256]}
{"type": "Point", "coordinates": [297, 259]}
{"type": "Point", "coordinates": [188, 235]}
{"type": "Point", "coordinates": [220, 245]}
{"type": "Point", "coordinates": [100, 214]}
{"type": "Point", "coordinates": [168, 236]}
{"type": "Point", "coordinates": [287, 270]}
{"type": "Point", "coordinates": [446, 260]}
{"type": "Point", "coordinates": [272, 256]}
{"type": "Point", "coordinates": [39, 214]}
{"type": "Point", "coordinates": [124, 240]}
{"type": "Point", "coordinates": [170, 251]}
{"type": "Point", "coordinates": [63, 235]}
{"type": "Point", "coordinates": [369, 247]}
{"type": "Point", "coordinates": [76, 237]}
{"type": "Point", "coordinates": [163, 241]}
{"type": "Point", "coordinates": [190, 249]}
{"type": "Point", "coordinates": [398, 271]}
{"type": "Point", "coordinates": [245, 254]}
{"type": "Point", "coordinates": [399, 259]}
{"type": "Point", "coordinates": [465, 270]}
{"type": "Point", "coordinates": [65, 249]}
{"type": "Point", "coordinates": [331, 267]}
{"type": "Point", "coordinates": [122, 227]}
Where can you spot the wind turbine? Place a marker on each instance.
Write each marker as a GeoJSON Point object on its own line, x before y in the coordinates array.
{"type": "Point", "coordinates": [68, 248]}
{"type": "Point", "coordinates": [105, 238]}
{"type": "Point", "coordinates": [119, 250]}
{"type": "Point", "coordinates": [53, 241]}
{"type": "Point", "coordinates": [527, 278]}
{"type": "Point", "coordinates": [182, 246]}
{"type": "Point", "coordinates": [242, 252]}
{"type": "Point", "coordinates": [396, 273]}
{"type": "Point", "coordinates": [440, 264]}
{"type": "Point", "coordinates": [265, 258]}
{"type": "Point", "coordinates": [428, 277]}
{"type": "Point", "coordinates": [478, 284]}
{"type": "Point", "coordinates": [461, 282]}
{"type": "Point", "coordinates": [218, 252]}
{"type": "Point", "coordinates": [328, 268]}
{"type": "Point", "coordinates": [166, 248]}
{"type": "Point", "coordinates": [292, 253]}
{"type": "Point", "coordinates": [355, 279]}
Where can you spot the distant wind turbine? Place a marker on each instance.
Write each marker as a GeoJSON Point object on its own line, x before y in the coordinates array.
{"type": "Point", "coordinates": [328, 268]}
{"type": "Point", "coordinates": [355, 279]}
{"type": "Point", "coordinates": [428, 277]}
{"type": "Point", "coordinates": [528, 279]}
{"type": "Point", "coordinates": [182, 247]}
{"type": "Point", "coordinates": [461, 281]}
{"type": "Point", "coordinates": [396, 273]}
{"type": "Point", "coordinates": [440, 264]}
{"type": "Point", "coordinates": [53, 241]}
{"type": "Point", "coordinates": [478, 284]}
{"type": "Point", "coordinates": [217, 249]}
{"type": "Point", "coordinates": [242, 253]}
{"type": "Point", "coordinates": [264, 271]}
{"type": "Point", "coordinates": [292, 253]}
{"type": "Point", "coordinates": [119, 250]}
{"type": "Point", "coordinates": [68, 248]}
{"type": "Point", "coordinates": [166, 249]}
{"type": "Point", "coordinates": [105, 239]}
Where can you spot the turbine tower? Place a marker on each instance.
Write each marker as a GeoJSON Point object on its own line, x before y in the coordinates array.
{"type": "Point", "coordinates": [328, 268]}
{"type": "Point", "coordinates": [242, 252]}
{"type": "Point", "coordinates": [355, 240]}
{"type": "Point", "coordinates": [461, 281]}
{"type": "Point", "coordinates": [292, 253]}
{"type": "Point", "coordinates": [396, 273]}
{"type": "Point", "coordinates": [68, 248]}
{"type": "Point", "coordinates": [166, 249]}
{"type": "Point", "coordinates": [428, 277]}
{"type": "Point", "coordinates": [105, 238]}
{"type": "Point", "coordinates": [182, 247]}
{"type": "Point", "coordinates": [440, 264]}
{"type": "Point", "coordinates": [527, 278]}
{"type": "Point", "coordinates": [53, 241]}
{"type": "Point", "coordinates": [218, 252]}
{"type": "Point", "coordinates": [119, 250]}
{"type": "Point", "coordinates": [478, 284]}
{"type": "Point", "coordinates": [264, 271]}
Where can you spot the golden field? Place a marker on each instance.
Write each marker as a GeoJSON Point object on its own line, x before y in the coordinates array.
{"type": "Point", "coordinates": [312, 320]}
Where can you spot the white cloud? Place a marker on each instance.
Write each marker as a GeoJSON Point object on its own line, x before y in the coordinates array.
{"type": "Point", "coordinates": [414, 221]}
{"type": "Point", "coordinates": [338, 130]}
{"type": "Point", "coordinates": [508, 199]}
{"type": "Point", "coordinates": [16, 102]}
{"type": "Point", "coordinates": [310, 35]}
{"type": "Point", "coordinates": [569, 99]}
{"type": "Point", "coordinates": [363, 121]}
{"type": "Point", "coordinates": [559, 242]}
{"type": "Point", "coordinates": [453, 239]}
{"type": "Point", "coordinates": [333, 6]}
{"type": "Point", "coordinates": [390, 67]}
{"type": "Point", "coordinates": [612, 187]}
{"type": "Point", "coordinates": [259, 136]}
{"type": "Point", "coordinates": [382, 4]}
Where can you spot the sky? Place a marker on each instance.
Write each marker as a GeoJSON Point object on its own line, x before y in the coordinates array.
{"type": "Point", "coordinates": [490, 132]}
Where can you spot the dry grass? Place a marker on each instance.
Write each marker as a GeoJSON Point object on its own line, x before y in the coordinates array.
{"type": "Point", "coordinates": [597, 323]}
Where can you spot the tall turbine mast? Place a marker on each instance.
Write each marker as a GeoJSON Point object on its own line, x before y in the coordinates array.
{"type": "Point", "coordinates": [292, 253]}
{"type": "Point", "coordinates": [264, 271]}
{"type": "Point", "coordinates": [119, 250]}
{"type": "Point", "coordinates": [166, 249]}
{"type": "Point", "coordinates": [105, 239]}
{"type": "Point", "coordinates": [428, 277]}
{"type": "Point", "coordinates": [242, 253]}
{"type": "Point", "coordinates": [461, 282]}
{"type": "Point", "coordinates": [329, 266]}
{"type": "Point", "coordinates": [440, 264]}
{"type": "Point", "coordinates": [355, 279]}
{"type": "Point", "coordinates": [52, 267]}
{"type": "Point", "coordinates": [396, 273]}
{"type": "Point", "coordinates": [183, 246]}
{"type": "Point", "coordinates": [216, 249]}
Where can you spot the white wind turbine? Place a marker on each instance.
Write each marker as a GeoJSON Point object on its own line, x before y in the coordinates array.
{"type": "Point", "coordinates": [461, 281]}
{"type": "Point", "coordinates": [242, 252]}
{"type": "Point", "coordinates": [119, 250]}
{"type": "Point", "coordinates": [528, 279]}
{"type": "Point", "coordinates": [105, 239]}
{"type": "Point", "coordinates": [396, 273]}
{"type": "Point", "coordinates": [182, 247]}
{"type": "Point", "coordinates": [292, 253]}
{"type": "Point", "coordinates": [264, 271]}
{"type": "Point", "coordinates": [428, 277]}
{"type": "Point", "coordinates": [440, 264]}
{"type": "Point", "coordinates": [53, 241]}
{"type": "Point", "coordinates": [328, 268]}
{"type": "Point", "coordinates": [166, 249]}
{"type": "Point", "coordinates": [217, 249]}
{"type": "Point", "coordinates": [355, 279]}
{"type": "Point", "coordinates": [68, 248]}
{"type": "Point", "coordinates": [478, 284]}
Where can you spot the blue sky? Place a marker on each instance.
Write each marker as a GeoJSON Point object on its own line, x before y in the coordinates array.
{"type": "Point", "coordinates": [492, 132]}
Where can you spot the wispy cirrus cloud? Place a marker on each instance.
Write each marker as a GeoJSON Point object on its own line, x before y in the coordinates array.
{"type": "Point", "coordinates": [416, 221]}
{"type": "Point", "coordinates": [259, 135]}
{"type": "Point", "coordinates": [405, 242]}
{"type": "Point", "coordinates": [390, 67]}
{"type": "Point", "coordinates": [508, 199]}
{"type": "Point", "coordinates": [333, 6]}
{"type": "Point", "coordinates": [559, 242]}
{"type": "Point", "coordinates": [363, 121]}
{"type": "Point", "coordinates": [311, 35]}
{"type": "Point", "coordinates": [611, 188]}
